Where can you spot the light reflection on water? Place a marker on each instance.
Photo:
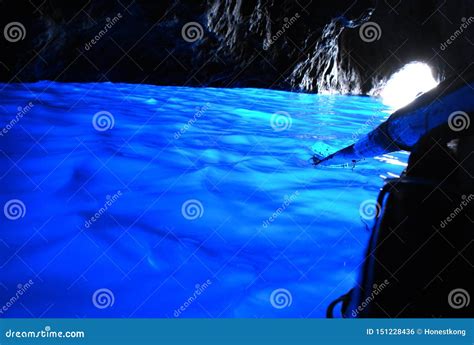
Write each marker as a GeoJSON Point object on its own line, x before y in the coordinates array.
{"type": "Point", "coordinates": [169, 145]}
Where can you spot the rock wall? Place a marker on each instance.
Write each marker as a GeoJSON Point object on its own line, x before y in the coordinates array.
{"type": "Point", "coordinates": [303, 45]}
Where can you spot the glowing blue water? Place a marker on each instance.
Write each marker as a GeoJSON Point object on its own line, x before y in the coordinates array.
{"type": "Point", "coordinates": [169, 145]}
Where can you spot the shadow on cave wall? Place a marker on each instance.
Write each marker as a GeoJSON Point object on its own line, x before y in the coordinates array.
{"type": "Point", "coordinates": [304, 45]}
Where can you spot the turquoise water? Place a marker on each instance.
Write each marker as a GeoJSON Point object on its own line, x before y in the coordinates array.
{"type": "Point", "coordinates": [143, 201]}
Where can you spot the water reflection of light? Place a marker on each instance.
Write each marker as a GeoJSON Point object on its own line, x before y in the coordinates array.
{"type": "Point", "coordinates": [391, 160]}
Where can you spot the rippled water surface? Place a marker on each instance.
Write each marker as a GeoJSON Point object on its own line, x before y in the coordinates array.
{"type": "Point", "coordinates": [180, 201]}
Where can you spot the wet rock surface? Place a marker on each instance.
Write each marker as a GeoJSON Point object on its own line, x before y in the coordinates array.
{"type": "Point", "coordinates": [294, 45]}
